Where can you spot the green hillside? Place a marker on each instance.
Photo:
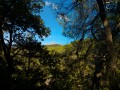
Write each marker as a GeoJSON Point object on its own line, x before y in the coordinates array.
{"type": "Point", "coordinates": [56, 47]}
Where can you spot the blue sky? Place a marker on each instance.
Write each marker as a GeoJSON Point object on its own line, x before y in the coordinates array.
{"type": "Point", "coordinates": [50, 21]}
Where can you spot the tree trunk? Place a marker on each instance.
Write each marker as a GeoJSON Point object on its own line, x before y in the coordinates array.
{"type": "Point", "coordinates": [111, 62]}
{"type": "Point", "coordinates": [6, 50]}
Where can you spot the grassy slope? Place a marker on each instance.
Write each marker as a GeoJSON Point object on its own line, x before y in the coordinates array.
{"type": "Point", "coordinates": [56, 47]}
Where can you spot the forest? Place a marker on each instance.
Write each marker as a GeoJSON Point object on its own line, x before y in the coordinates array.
{"type": "Point", "coordinates": [90, 62]}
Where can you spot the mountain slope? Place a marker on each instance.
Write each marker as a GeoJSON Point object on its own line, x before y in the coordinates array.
{"type": "Point", "coordinates": [56, 47]}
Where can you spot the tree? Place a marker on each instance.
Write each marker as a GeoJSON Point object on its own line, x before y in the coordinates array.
{"type": "Point", "coordinates": [31, 72]}
{"type": "Point", "coordinates": [111, 62]}
{"type": "Point", "coordinates": [91, 19]}
{"type": "Point", "coordinates": [16, 18]}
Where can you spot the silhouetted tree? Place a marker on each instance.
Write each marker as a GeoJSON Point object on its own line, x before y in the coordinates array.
{"type": "Point", "coordinates": [16, 18]}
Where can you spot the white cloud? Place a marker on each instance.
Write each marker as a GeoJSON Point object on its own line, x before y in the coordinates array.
{"type": "Point", "coordinates": [63, 17]}
{"type": "Point", "coordinates": [43, 37]}
{"type": "Point", "coordinates": [67, 19]}
{"type": "Point", "coordinates": [54, 6]}
{"type": "Point", "coordinates": [60, 17]}
{"type": "Point", "coordinates": [47, 3]}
